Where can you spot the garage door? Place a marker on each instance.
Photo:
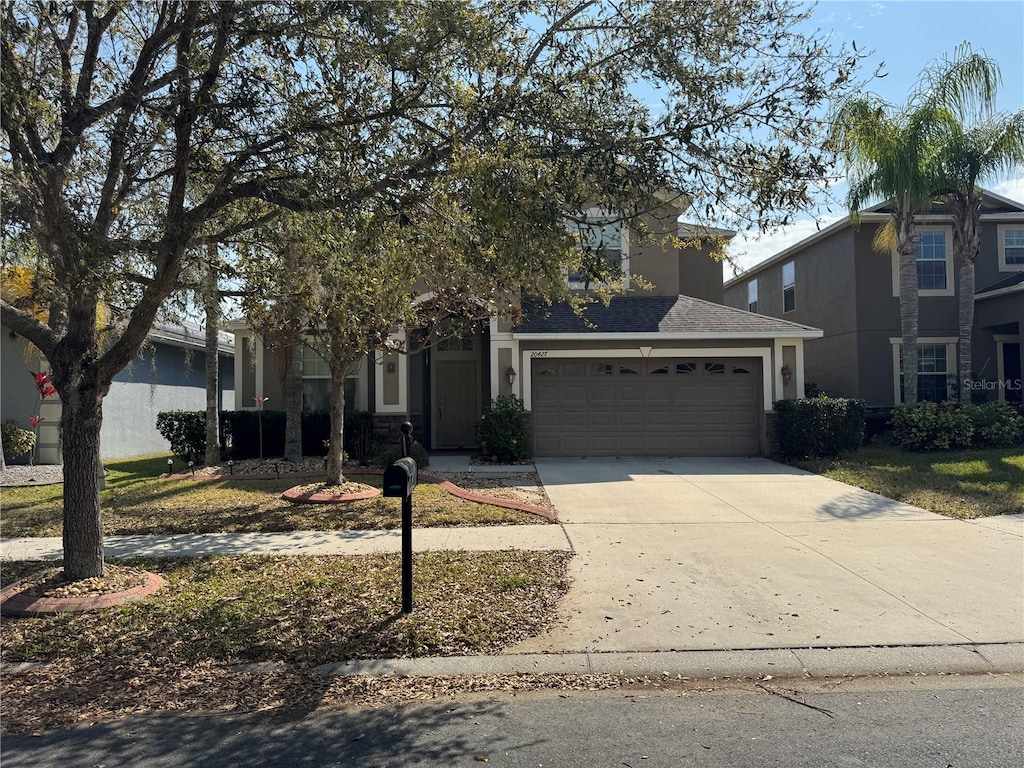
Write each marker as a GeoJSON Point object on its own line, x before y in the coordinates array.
{"type": "Point", "coordinates": [659, 407]}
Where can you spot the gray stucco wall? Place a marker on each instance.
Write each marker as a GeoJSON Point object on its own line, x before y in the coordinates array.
{"type": "Point", "coordinates": [672, 271]}
{"type": "Point", "coordinates": [162, 378]}
{"type": "Point", "coordinates": [17, 388]}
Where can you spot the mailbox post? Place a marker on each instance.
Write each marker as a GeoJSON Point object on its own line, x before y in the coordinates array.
{"type": "Point", "coordinates": [399, 481]}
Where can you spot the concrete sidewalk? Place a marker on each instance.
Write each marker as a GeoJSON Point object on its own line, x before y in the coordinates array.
{"type": "Point", "coordinates": [481, 538]}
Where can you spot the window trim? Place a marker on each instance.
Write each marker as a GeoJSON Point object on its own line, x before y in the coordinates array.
{"type": "Point", "coordinates": [357, 371]}
{"type": "Point", "coordinates": [1001, 230]}
{"type": "Point", "coordinates": [752, 290]}
{"type": "Point", "coordinates": [789, 287]}
{"type": "Point", "coordinates": [950, 289]}
{"type": "Point", "coordinates": [897, 343]}
{"type": "Point", "coordinates": [601, 216]}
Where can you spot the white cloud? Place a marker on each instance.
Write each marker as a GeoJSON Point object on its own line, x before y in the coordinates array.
{"type": "Point", "coordinates": [1012, 188]}
{"type": "Point", "coordinates": [749, 248]}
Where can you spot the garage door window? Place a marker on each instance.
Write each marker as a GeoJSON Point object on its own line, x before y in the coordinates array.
{"type": "Point", "coordinates": [686, 367]}
{"type": "Point", "coordinates": [714, 367]}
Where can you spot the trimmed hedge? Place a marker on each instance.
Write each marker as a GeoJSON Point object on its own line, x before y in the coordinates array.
{"type": "Point", "coordinates": [818, 426]}
{"type": "Point", "coordinates": [949, 426]}
{"type": "Point", "coordinates": [186, 432]}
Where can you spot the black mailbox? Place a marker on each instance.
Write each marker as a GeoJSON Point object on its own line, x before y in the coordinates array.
{"type": "Point", "coordinates": [400, 477]}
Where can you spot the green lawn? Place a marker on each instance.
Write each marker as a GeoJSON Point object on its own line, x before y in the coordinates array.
{"type": "Point", "coordinates": [963, 484]}
{"type": "Point", "coordinates": [138, 501]}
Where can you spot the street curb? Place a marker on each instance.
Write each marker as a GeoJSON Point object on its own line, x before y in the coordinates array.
{"type": "Point", "coordinates": [996, 658]}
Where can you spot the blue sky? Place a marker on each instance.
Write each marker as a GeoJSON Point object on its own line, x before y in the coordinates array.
{"type": "Point", "coordinates": [906, 37]}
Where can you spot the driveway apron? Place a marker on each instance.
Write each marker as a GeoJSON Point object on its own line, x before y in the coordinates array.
{"type": "Point", "coordinates": [686, 554]}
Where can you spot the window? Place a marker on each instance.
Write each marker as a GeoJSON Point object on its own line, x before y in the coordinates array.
{"type": "Point", "coordinates": [714, 367]}
{"type": "Point", "coordinates": [934, 261]}
{"type": "Point", "coordinates": [752, 296]}
{"type": "Point", "coordinates": [931, 261]}
{"type": "Point", "coordinates": [603, 242]}
{"type": "Point", "coordinates": [933, 369]}
{"type": "Point", "coordinates": [685, 368]}
{"type": "Point", "coordinates": [459, 342]}
{"type": "Point", "coordinates": [316, 383]}
{"type": "Point", "coordinates": [1011, 247]}
{"type": "Point", "coordinates": [788, 287]}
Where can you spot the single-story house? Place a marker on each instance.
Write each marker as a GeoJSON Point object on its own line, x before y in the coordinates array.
{"type": "Point", "coordinates": [169, 374]}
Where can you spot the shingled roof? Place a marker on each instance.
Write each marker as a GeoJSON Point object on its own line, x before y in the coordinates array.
{"type": "Point", "coordinates": [653, 315]}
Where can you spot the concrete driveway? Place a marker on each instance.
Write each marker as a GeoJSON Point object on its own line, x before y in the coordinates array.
{"type": "Point", "coordinates": [685, 554]}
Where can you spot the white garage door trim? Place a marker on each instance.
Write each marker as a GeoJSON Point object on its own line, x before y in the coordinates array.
{"type": "Point", "coordinates": [765, 353]}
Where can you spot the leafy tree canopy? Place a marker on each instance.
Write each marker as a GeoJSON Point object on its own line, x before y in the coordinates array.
{"type": "Point", "coordinates": [136, 130]}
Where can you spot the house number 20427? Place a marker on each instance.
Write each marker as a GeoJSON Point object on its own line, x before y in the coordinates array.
{"type": "Point", "coordinates": [538, 354]}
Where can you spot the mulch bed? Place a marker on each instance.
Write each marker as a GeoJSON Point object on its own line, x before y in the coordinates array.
{"type": "Point", "coordinates": [49, 591]}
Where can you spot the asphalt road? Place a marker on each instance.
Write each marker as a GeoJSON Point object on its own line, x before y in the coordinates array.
{"type": "Point", "coordinates": [926, 721]}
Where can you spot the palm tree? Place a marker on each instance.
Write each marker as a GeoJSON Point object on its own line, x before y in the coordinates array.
{"type": "Point", "coordinates": [969, 155]}
{"type": "Point", "coordinates": [891, 154]}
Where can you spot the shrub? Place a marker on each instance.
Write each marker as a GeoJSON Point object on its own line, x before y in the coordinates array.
{"type": "Point", "coordinates": [316, 430]}
{"type": "Point", "coordinates": [818, 426]}
{"type": "Point", "coordinates": [359, 435]}
{"type": "Point", "coordinates": [877, 423]}
{"type": "Point", "coordinates": [933, 427]}
{"type": "Point", "coordinates": [502, 431]}
{"type": "Point", "coordinates": [16, 441]}
{"type": "Point", "coordinates": [185, 431]}
{"type": "Point", "coordinates": [241, 431]}
{"type": "Point", "coordinates": [386, 456]}
{"type": "Point", "coordinates": [995, 424]}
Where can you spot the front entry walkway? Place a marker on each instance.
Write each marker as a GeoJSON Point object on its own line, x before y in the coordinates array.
{"type": "Point", "coordinates": [685, 554]}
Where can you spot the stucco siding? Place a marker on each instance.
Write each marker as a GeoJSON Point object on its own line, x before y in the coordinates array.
{"type": "Point", "coordinates": [162, 378]}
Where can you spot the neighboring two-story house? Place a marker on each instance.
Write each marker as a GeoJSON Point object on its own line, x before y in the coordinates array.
{"type": "Point", "coordinates": [836, 281]}
{"type": "Point", "coordinates": [667, 370]}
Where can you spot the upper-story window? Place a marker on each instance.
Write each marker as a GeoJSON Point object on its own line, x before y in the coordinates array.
{"type": "Point", "coordinates": [934, 262]}
{"type": "Point", "coordinates": [931, 261]}
{"type": "Point", "coordinates": [603, 238]}
{"type": "Point", "coordinates": [1011, 247]}
{"type": "Point", "coordinates": [752, 296]}
{"type": "Point", "coordinates": [788, 287]}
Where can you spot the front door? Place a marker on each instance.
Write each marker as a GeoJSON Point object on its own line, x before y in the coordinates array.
{"type": "Point", "coordinates": [457, 398]}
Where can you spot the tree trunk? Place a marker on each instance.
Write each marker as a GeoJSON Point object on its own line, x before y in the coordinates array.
{"type": "Point", "coordinates": [966, 245]}
{"type": "Point", "coordinates": [293, 399]}
{"type": "Point", "coordinates": [907, 251]}
{"type": "Point", "coordinates": [211, 305]}
{"type": "Point", "coordinates": [80, 423]}
{"type": "Point", "coordinates": [336, 450]}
